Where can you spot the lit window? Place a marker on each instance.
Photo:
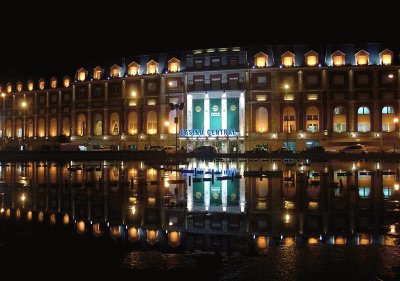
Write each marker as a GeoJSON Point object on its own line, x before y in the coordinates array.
{"type": "Point", "coordinates": [115, 71]}
{"type": "Point", "coordinates": [363, 110]}
{"type": "Point", "coordinates": [261, 59]}
{"type": "Point", "coordinates": [362, 57]}
{"type": "Point", "coordinates": [288, 59]}
{"type": "Point", "coordinates": [311, 58]}
{"type": "Point", "coordinates": [30, 85]}
{"type": "Point", "coordinates": [388, 110]}
{"type": "Point", "coordinates": [19, 86]}
{"type": "Point", "coordinates": [41, 84]}
{"type": "Point", "coordinates": [151, 102]}
{"type": "Point", "coordinates": [133, 69]}
{"type": "Point", "coordinates": [386, 57]}
{"type": "Point", "coordinates": [66, 81]}
{"type": "Point", "coordinates": [82, 74]}
{"type": "Point", "coordinates": [53, 83]}
{"type": "Point", "coordinates": [338, 58]}
{"type": "Point", "coordinates": [152, 67]}
{"type": "Point", "coordinates": [9, 87]}
{"type": "Point", "coordinates": [174, 65]}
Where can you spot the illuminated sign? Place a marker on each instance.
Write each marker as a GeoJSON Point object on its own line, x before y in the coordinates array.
{"type": "Point", "coordinates": [209, 133]}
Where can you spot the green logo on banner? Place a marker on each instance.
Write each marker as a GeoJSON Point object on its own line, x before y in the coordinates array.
{"type": "Point", "coordinates": [233, 107]}
{"type": "Point", "coordinates": [198, 108]}
{"type": "Point", "coordinates": [215, 108]}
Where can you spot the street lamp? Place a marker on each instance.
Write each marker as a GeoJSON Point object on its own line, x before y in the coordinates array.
{"type": "Point", "coordinates": [286, 87]}
{"type": "Point", "coordinates": [176, 107]}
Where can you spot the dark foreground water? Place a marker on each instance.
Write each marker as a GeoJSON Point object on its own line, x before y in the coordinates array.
{"type": "Point", "coordinates": [257, 220]}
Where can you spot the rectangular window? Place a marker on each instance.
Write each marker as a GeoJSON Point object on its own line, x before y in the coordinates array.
{"type": "Point", "coordinates": [198, 63]}
{"type": "Point", "coordinates": [173, 83]}
{"type": "Point", "coordinates": [338, 80]}
{"type": "Point", "coordinates": [339, 127]}
{"type": "Point", "coordinates": [198, 83]}
{"type": "Point", "coordinates": [151, 86]}
{"type": "Point", "coordinates": [216, 82]}
{"type": "Point", "coordinates": [362, 127]}
{"type": "Point", "coordinates": [151, 102]}
{"type": "Point", "coordinates": [261, 80]}
{"type": "Point", "coordinates": [66, 97]}
{"type": "Point", "coordinates": [233, 61]}
{"type": "Point", "coordinates": [233, 82]}
{"type": "Point", "coordinates": [362, 79]}
{"type": "Point", "coordinates": [312, 96]}
{"type": "Point", "coordinates": [312, 127]}
{"type": "Point", "coordinates": [54, 98]}
{"type": "Point", "coordinates": [98, 92]}
{"type": "Point", "coordinates": [312, 80]}
{"type": "Point", "coordinates": [215, 62]}
{"type": "Point", "coordinates": [41, 100]}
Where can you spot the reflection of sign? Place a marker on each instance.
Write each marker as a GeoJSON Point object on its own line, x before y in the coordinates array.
{"type": "Point", "coordinates": [210, 132]}
{"type": "Point", "coordinates": [233, 107]}
{"type": "Point", "coordinates": [198, 108]}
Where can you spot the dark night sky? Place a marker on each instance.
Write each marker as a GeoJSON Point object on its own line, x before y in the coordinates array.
{"type": "Point", "coordinates": [44, 44]}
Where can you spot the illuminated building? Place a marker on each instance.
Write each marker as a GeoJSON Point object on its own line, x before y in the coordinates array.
{"type": "Point", "coordinates": [234, 99]}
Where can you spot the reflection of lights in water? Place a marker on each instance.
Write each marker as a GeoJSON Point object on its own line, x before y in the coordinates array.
{"type": "Point", "coordinates": [262, 242]}
{"type": "Point", "coordinates": [174, 238]}
{"type": "Point", "coordinates": [396, 186]}
{"type": "Point", "coordinates": [133, 210]}
{"type": "Point", "coordinates": [53, 219]}
{"type": "Point", "coordinates": [312, 240]}
{"type": "Point", "coordinates": [66, 219]}
{"type": "Point", "coordinates": [288, 241]}
{"type": "Point", "coordinates": [133, 234]}
{"type": "Point", "coordinates": [392, 229]}
{"type": "Point", "coordinates": [29, 216]}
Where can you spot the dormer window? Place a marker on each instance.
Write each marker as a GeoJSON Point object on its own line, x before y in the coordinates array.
{"type": "Point", "coordinates": [311, 58]}
{"type": "Point", "coordinates": [152, 67]}
{"type": "Point", "coordinates": [261, 59]}
{"type": "Point", "coordinates": [174, 65]}
{"type": "Point", "coordinates": [115, 71]}
{"type": "Point", "coordinates": [53, 82]}
{"type": "Point", "coordinates": [41, 84]}
{"type": "Point", "coordinates": [386, 57]}
{"type": "Point", "coordinates": [288, 59]}
{"type": "Point", "coordinates": [133, 69]}
{"type": "Point", "coordinates": [66, 81]}
{"type": "Point", "coordinates": [338, 58]}
{"type": "Point", "coordinates": [97, 73]}
{"type": "Point", "coordinates": [30, 85]}
{"type": "Point", "coordinates": [82, 74]}
{"type": "Point", "coordinates": [9, 87]}
{"type": "Point", "coordinates": [362, 58]}
{"type": "Point", "coordinates": [19, 86]}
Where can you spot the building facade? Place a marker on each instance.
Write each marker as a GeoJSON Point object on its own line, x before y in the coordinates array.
{"type": "Point", "coordinates": [232, 98]}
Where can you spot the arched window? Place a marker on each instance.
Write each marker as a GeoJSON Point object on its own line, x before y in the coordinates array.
{"type": "Point", "coordinates": [363, 119]}
{"type": "Point", "coordinates": [114, 124]}
{"type": "Point", "coordinates": [261, 120]}
{"type": "Point", "coordinates": [339, 119]}
{"type": "Point", "coordinates": [289, 119]}
{"type": "Point", "coordinates": [387, 119]}
{"type": "Point", "coordinates": [132, 123]}
{"type": "Point", "coordinates": [115, 71]}
{"type": "Point", "coordinates": [66, 81]}
{"type": "Point", "coordinates": [42, 84]}
{"type": "Point", "coordinates": [53, 82]}
{"type": "Point", "coordinates": [98, 124]}
{"type": "Point", "coordinates": [152, 123]}
{"type": "Point", "coordinates": [97, 73]}
{"type": "Point", "coordinates": [53, 127]}
{"type": "Point", "coordinates": [66, 127]}
{"type": "Point", "coordinates": [81, 125]}
{"type": "Point", "coordinates": [312, 119]}
{"type": "Point", "coordinates": [82, 74]}
{"type": "Point", "coordinates": [41, 131]}
{"type": "Point", "coordinates": [19, 86]}
{"type": "Point", "coordinates": [30, 85]}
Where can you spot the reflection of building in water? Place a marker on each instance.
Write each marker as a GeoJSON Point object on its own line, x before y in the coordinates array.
{"type": "Point", "coordinates": [207, 208]}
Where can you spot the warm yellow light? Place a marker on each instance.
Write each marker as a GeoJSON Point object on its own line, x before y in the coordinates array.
{"type": "Point", "coordinates": [390, 76]}
{"type": "Point", "coordinates": [53, 219]}
{"type": "Point", "coordinates": [41, 85]}
{"type": "Point", "coordinates": [19, 87]}
{"type": "Point", "coordinates": [152, 237]}
{"type": "Point", "coordinates": [80, 227]}
{"type": "Point", "coordinates": [133, 94]}
{"type": "Point", "coordinates": [338, 60]}
{"type": "Point", "coordinates": [133, 234]}
{"type": "Point", "coordinates": [23, 197]}
{"type": "Point", "coordinates": [40, 216]}
{"type": "Point", "coordinates": [286, 86]}
{"type": "Point", "coordinates": [3, 95]}
{"type": "Point", "coordinates": [340, 240]}
{"type": "Point", "coordinates": [392, 229]}
{"type": "Point", "coordinates": [96, 228]}
{"type": "Point", "coordinates": [170, 83]}
{"type": "Point", "coordinates": [2, 210]}
{"type": "Point", "coordinates": [287, 61]}
{"type": "Point", "coordinates": [66, 219]}
{"type": "Point", "coordinates": [262, 243]}
{"type": "Point", "coordinates": [261, 62]}
{"type": "Point", "coordinates": [9, 88]}
{"type": "Point", "coordinates": [288, 241]}
{"type": "Point", "coordinates": [18, 214]}
{"type": "Point", "coordinates": [8, 213]}
{"type": "Point", "coordinates": [133, 210]}
{"type": "Point", "coordinates": [395, 119]}
{"type": "Point", "coordinates": [312, 60]}
{"type": "Point", "coordinates": [173, 67]}
{"type": "Point", "coordinates": [174, 238]}
{"type": "Point", "coordinates": [362, 60]}
{"type": "Point", "coordinates": [66, 82]}
{"type": "Point", "coordinates": [396, 186]}
{"type": "Point", "coordinates": [54, 83]}
{"type": "Point", "coordinates": [364, 240]}
{"type": "Point", "coordinates": [133, 70]}
{"type": "Point", "coordinates": [387, 59]}
{"type": "Point", "coordinates": [312, 240]}
{"type": "Point", "coordinates": [166, 123]}
{"type": "Point", "coordinates": [115, 231]}
{"type": "Point", "coordinates": [24, 104]}
{"type": "Point", "coordinates": [29, 216]}
{"type": "Point", "coordinates": [287, 218]}
{"type": "Point", "coordinates": [82, 76]}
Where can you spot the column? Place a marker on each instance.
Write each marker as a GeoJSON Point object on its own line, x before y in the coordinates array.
{"type": "Point", "coordinates": [189, 113]}
{"type": "Point", "coordinates": [73, 114]}
{"type": "Point", "coordinates": [206, 113]}
{"type": "Point", "coordinates": [242, 115]}
{"type": "Point", "coordinates": [105, 115]}
{"type": "Point", "coordinates": [224, 112]}
{"type": "Point", "coordinates": [89, 112]}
